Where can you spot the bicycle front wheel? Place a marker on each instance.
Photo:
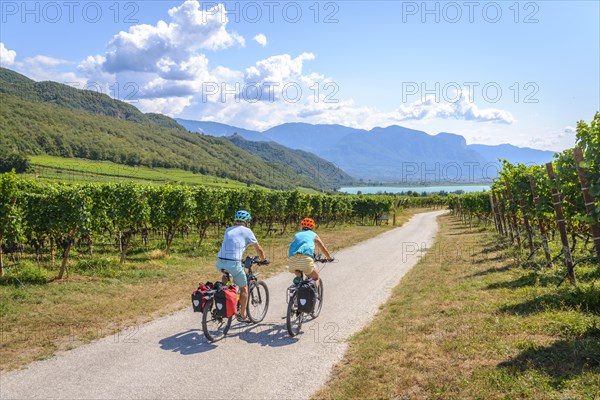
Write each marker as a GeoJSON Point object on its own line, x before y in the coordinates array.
{"type": "Point", "coordinates": [258, 301]}
{"type": "Point", "coordinates": [214, 326]}
{"type": "Point", "coordinates": [294, 318]}
{"type": "Point", "coordinates": [319, 300]}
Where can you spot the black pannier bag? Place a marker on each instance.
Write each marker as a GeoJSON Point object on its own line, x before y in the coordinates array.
{"type": "Point", "coordinates": [307, 296]}
{"type": "Point", "coordinates": [198, 297]}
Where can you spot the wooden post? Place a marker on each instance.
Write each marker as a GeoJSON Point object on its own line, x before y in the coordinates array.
{"type": "Point", "coordinates": [513, 216]}
{"type": "Point", "coordinates": [527, 225]}
{"type": "Point", "coordinates": [560, 220]}
{"type": "Point", "coordinates": [494, 213]}
{"type": "Point", "coordinates": [542, 226]}
{"type": "Point", "coordinates": [587, 197]}
{"type": "Point", "coordinates": [506, 221]}
{"type": "Point", "coordinates": [500, 214]}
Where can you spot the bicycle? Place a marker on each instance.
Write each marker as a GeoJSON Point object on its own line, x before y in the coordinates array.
{"type": "Point", "coordinates": [215, 326]}
{"type": "Point", "coordinates": [294, 317]}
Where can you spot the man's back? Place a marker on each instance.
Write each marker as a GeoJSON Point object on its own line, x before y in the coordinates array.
{"type": "Point", "coordinates": [235, 241]}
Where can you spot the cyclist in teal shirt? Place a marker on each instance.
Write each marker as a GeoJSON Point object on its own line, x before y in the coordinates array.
{"type": "Point", "coordinates": [302, 251]}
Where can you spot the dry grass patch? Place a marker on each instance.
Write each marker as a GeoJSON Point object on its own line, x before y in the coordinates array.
{"type": "Point", "coordinates": [156, 254]}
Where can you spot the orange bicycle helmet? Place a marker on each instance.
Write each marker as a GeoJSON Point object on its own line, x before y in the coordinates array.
{"type": "Point", "coordinates": [308, 223]}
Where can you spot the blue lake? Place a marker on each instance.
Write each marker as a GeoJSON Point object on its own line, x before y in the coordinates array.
{"type": "Point", "coordinates": [418, 189]}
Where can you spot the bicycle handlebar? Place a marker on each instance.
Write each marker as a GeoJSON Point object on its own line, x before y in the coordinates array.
{"type": "Point", "coordinates": [248, 261]}
{"type": "Point", "coordinates": [319, 258]}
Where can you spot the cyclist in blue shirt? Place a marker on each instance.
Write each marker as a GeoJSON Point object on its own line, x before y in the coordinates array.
{"type": "Point", "coordinates": [235, 241]}
{"type": "Point", "coordinates": [302, 251]}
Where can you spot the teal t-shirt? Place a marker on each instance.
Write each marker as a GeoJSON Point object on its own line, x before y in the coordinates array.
{"type": "Point", "coordinates": [303, 243]}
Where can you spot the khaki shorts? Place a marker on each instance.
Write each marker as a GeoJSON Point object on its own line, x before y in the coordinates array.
{"type": "Point", "coordinates": [300, 262]}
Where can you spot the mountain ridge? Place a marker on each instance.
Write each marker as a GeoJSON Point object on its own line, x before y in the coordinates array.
{"type": "Point", "coordinates": [393, 153]}
{"type": "Point", "coordinates": [301, 162]}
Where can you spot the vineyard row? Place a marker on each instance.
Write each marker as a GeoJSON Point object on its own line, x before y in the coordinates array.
{"type": "Point", "coordinates": [526, 203]}
{"type": "Point", "coordinates": [36, 215]}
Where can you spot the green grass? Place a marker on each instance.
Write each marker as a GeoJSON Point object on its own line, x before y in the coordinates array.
{"type": "Point", "coordinates": [468, 322]}
{"type": "Point", "coordinates": [79, 170]}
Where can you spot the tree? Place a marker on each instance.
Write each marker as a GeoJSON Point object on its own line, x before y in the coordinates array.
{"type": "Point", "coordinates": [68, 215]}
{"type": "Point", "coordinates": [171, 207]}
{"type": "Point", "coordinates": [13, 161]}
{"type": "Point", "coordinates": [129, 212]}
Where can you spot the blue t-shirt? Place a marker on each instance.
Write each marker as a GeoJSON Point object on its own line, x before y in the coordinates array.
{"type": "Point", "coordinates": [303, 243]}
{"type": "Point", "coordinates": [235, 241]}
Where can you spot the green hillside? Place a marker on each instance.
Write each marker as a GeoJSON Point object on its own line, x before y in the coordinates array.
{"type": "Point", "coordinates": [77, 170]}
{"type": "Point", "coordinates": [324, 173]}
{"type": "Point", "coordinates": [66, 122]}
{"type": "Point", "coordinates": [13, 83]}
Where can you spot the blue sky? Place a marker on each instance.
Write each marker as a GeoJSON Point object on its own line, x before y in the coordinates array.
{"type": "Point", "coordinates": [495, 72]}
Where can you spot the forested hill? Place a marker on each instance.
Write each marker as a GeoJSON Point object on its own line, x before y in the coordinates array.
{"type": "Point", "coordinates": [302, 162]}
{"type": "Point", "coordinates": [62, 128]}
{"type": "Point", "coordinates": [66, 96]}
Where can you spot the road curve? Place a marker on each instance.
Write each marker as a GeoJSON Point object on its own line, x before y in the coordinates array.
{"type": "Point", "coordinates": [169, 358]}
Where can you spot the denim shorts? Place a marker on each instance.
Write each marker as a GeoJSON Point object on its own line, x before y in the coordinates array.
{"type": "Point", "coordinates": [236, 270]}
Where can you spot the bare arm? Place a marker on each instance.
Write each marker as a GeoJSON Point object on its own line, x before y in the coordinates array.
{"type": "Point", "coordinates": [321, 245]}
{"type": "Point", "coordinates": [259, 250]}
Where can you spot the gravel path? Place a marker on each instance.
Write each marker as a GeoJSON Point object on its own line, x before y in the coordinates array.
{"type": "Point", "coordinates": [169, 358]}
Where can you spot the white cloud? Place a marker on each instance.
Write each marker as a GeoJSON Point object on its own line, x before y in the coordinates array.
{"type": "Point", "coordinates": [92, 69]}
{"type": "Point", "coordinates": [462, 109]}
{"type": "Point", "coordinates": [45, 68]}
{"type": "Point", "coordinates": [224, 74]}
{"type": "Point", "coordinates": [166, 48]}
{"type": "Point", "coordinates": [261, 39]}
{"type": "Point", "coordinates": [313, 78]}
{"type": "Point", "coordinates": [568, 131]}
{"type": "Point", "coordinates": [165, 60]}
{"type": "Point", "coordinates": [280, 68]}
{"type": "Point", "coordinates": [45, 61]}
{"type": "Point", "coordinates": [171, 106]}
{"type": "Point", "coordinates": [266, 78]}
{"type": "Point", "coordinates": [544, 142]}
{"type": "Point", "coordinates": [7, 57]}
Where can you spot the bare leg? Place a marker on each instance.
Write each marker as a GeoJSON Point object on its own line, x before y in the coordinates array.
{"type": "Point", "coordinates": [315, 276]}
{"type": "Point", "coordinates": [243, 300]}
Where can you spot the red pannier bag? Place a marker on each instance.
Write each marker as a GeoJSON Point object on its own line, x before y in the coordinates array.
{"type": "Point", "coordinates": [226, 301]}
{"type": "Point", "coordinates": [198, 298]}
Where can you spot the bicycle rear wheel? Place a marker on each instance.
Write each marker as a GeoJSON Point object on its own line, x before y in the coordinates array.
{"type": "Point", "coordinates": [319, 300]}
{"type": "Point", "coordinates": [294, 318]}
{"type": "Point", "coordinates": [258, 301]}
{"type": "Point", "coordinates": [214, 326]}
